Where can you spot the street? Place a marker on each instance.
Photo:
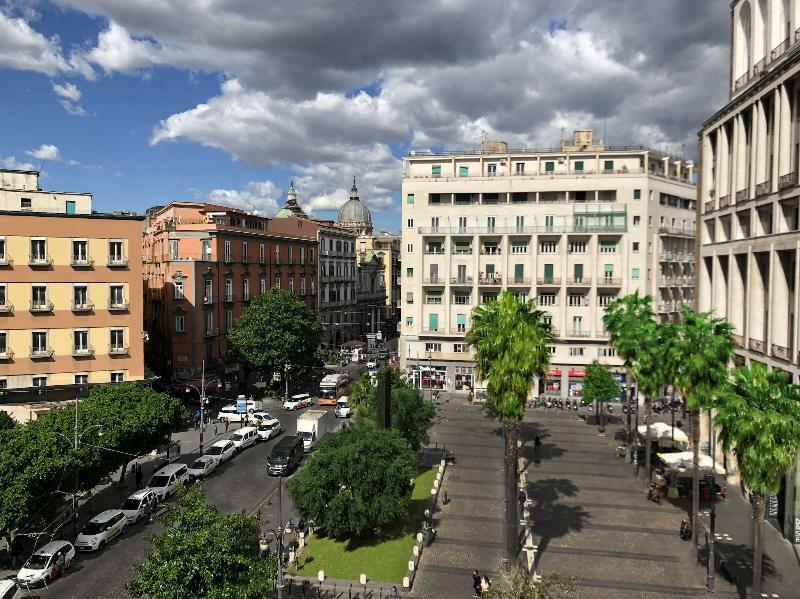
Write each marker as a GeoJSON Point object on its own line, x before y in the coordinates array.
{"type": "Point", "coordinates": [241, 484]}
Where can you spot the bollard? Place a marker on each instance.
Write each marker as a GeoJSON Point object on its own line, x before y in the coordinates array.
{"type": "Point", "coordinates": [406, 582]}
{"type": "Point", "coordinates": [419, 537]}
{"type": "Point", "coordinates": [305, 588]}
{"type": "Point", "coordinates": [415, 550]}
{"type": "Point", "coordinates": [443, 463]}
{"type": "Point", "coordinates": [436, 484]}
{"type": "Point", "coordinates": [410, 565]}
{"type": "Point", "coordinates": [380, 596]}
{"type": "Point", "coordinates": [350, 591]}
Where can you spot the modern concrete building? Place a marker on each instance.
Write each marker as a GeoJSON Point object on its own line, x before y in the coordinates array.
{"type": "Point", "coordinates": [573, 227]}
{"type": "Point", "coordinates": [20, 192]}
{"type": "Point", "coordinates": [202, 264]}
{"type": "Point", "coordinates": [70, 296]}
{"type": "Point", "coordinates": [749, 203]}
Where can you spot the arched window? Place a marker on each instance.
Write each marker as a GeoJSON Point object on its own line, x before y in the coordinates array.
{"type": "Point", "coordinates": [743, 49]}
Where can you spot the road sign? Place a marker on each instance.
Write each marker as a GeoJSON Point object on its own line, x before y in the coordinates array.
{"type": "Point", "coordinates": [241, 406]}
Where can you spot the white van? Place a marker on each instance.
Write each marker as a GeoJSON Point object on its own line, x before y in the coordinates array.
{"type": "Point", "coordinates": [244, 437]}
{"type": "Point", "coordinates": [165, 482]}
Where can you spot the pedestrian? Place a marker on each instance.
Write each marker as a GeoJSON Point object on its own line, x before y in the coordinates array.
{"type": "Point", "coordinates": [395, 594]}
{"type": "Point", "coordinates": [485, 584]}
{"type": "Point", "coordinates": [215, 429]}
{"type": "Point", "coordinates": [537, 443]}
{"type": "Point", "coordinates": [138, 475]}
{"type": "Point", "coordinates": [476, 583]}
{"type": "Point", "coordinates": [227, 423]}
{"type": "Point", "coordinates": [59, 564]}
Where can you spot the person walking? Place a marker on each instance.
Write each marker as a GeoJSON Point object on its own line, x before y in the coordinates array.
{"type": "Point", "coordinates": [395, 594]}
{"type": "Point", "coordinates": [227, 423]}
{"type": "Point", "coordinates": [537, 444]}
{"type": "Point", "coordinates": [476, 583]}
{"type": "Point", "coordinates": [59, 565]}
{"type": "Point", "coordinates": [138, 475]}
{"type": "Point", "coordinates": [485, 584]}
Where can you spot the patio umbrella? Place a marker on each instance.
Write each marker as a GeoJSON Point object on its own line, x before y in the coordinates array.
{"type": "Point", "coordinates": [661, 431]}
{"type": "Point", "coordinates": [682, 461]}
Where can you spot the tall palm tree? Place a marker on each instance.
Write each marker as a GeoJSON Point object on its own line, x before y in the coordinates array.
{"type": "Point", "coordinates": [758, 415]}
{"type": "Point", "coordinates": [511, 340]}
{"type": "Point", "coordinates": [700, 351]}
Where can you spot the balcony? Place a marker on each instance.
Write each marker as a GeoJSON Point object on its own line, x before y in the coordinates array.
{"type": "Point", "coordinates": [787, 180]}
{"type": "Point", "coordinates": [519, 282]}
{"type": "Point", "coordinates": [117, 306]}
{"type": "Point", "coordinates": [117, 261]}
{"type": "Point", "coordinates": [433, 281]}
{"type": "Point", "coordinates": [578, 333]}
{"type": "Point", "coordinates": [434, 251]}
{"type": "Point", "coordinates": [580, 282]}
{"type": "Point", "coordinates": [738, 340]}
{"type": "Point", "coordinates": [38, 353]}
{"type": "Point", "coordinates": [6, 354]}
{"type": "Point", "coordinates": [781, 352]}
{"type": "Point", "coordinates": [37, 260]}
{"type": "Point", "coordinates": [762, 189]}
{"type": "Point", "coordinates": [85, 351]}
{"type": "Point", "coordinates": [5, 260]}
{"type": "Point", "coordinates": [666, 307]}
{"type": "Point", "coordinates": [81, 262]}
{"type": "Point", "coordinates": [211, 332]}
{"type": "Point", "coordinates": [461, 281]}
{"type": "Point", "coordinates": [493, 279]}
{"type": "Point", "coordinates": [680, 231]}
{"type": "Point", "coordinates": [609, 282]}
{"type": "Point", "coordinates": [742, 81]}
{"type": "Point", "coordinates": [82, 306]}
{"type": "Point", "coordinates": [462, 252]}
{"type": "Point", "coordinates": [490, 251]}
{"type": "Point", "coordinates": [709, 206]}
{"type": "Point", "coordinates": [6, 308]}
{"type": "Point", "coordinates": [780, 49]}
{"type": "Point", "coordinates": [724, 201]}
{"type": "Point", "coordinates": [741, 196]}
{"type": "Point", "coordinates": [757, 346]}
{"type": "Point", "coordinates": [41, 306]}
{"type": "Point", "coordinates": [549, 281]}
{"type": "Point", "coordinates": [440, 330]}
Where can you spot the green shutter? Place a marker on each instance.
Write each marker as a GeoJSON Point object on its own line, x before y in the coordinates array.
{"type": "Point", "coordinates": [548, 272]}
{"type": "Point", "coordinates": [410, 198]}
{"type": "Point", "coordinates": [637, 194]}
{"type": "Point", "coordinates": [635, 273]}
{"type": "Point", "coordinates": [519, 272]}
{"type": "Point", "coordinates": [489, 270]}
{"type": "Point", "coordinates": [433, 322]}
{"type": "Point", "coordinates": [436, 169]}
{"type": "Point", "coordinates": [549, 167]}
{"type": "Point", "coordinates": [461, 319]}
{"type": "Point", "coordinates": [609, 165]}
{"type": "Point", "coordinates": [608, 269]}
{"type": "Point", "coordinates": [463, 171]}
{"type": "Point", "coordinates": [578, 271]}
{"type": "Point", "coordinates": [579, 165]}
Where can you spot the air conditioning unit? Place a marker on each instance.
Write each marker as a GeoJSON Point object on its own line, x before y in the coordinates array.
{"type": "Point", "coordinates": [561, 160]}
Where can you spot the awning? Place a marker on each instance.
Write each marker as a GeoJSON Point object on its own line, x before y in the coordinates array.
{"type": "Point", "coordinates": [352, 344]}
{"type": "Point", "coordinates": [661, 431]}
{"type": "Point", "coordinates": [577, 373]}
{"type": "Point", "coordinates": [555, 373]}
{"type": "Point", "coordinates": [683, 462]}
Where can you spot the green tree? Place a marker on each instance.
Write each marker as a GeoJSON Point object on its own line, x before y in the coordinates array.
{"type": "Point", "coordinates": [758, 415]}
{"type": "Point", "coordinates": [515, 583]}
{"type": "Point", "coordinates": [275, 330]}
{"type": "Point", "coordinates": [701, 349]}
{"type": "Point", "coordinates": [6, 421]}
{"type": "Point", "coordinates": [599, 386]}
{"type": "Point", "coordinates": [347, 495]}
{"type": "Point", "coordinates": [511, 342]}
{"type": "Point", "coordinates": [202, 553]}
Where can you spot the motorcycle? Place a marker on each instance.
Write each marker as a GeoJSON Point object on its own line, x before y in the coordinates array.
{"type": "Point", "coordinates": [686, 531]}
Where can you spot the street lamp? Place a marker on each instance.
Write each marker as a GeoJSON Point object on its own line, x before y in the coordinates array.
{"type": "Point", "coordinates": [75, 442]}
{"type": "Point", "coordinates": [202, 393]}
{"type": "Point", "coordinates": [263, 542]}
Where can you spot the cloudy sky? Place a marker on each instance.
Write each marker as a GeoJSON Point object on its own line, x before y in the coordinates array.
{"type": "Point", "coordinates": [146, 101]}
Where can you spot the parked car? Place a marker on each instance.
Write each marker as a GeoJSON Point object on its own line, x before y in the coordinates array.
{"type": "Point", "coordinates": [41, 566]}
{"type": "Point", "coordinates": [372, 363]}
{"type": "Point", "coordinates": [101, 529]}
{"type": "Point", "coordinates": [134, 506]}
{"type": "Point", "coordinates": [166, 481]}
{"type": "Point", "coordinates": [259, 416]}
{"type": "Point", "coordinates": [343, 407]}
{"type": "Point", "coordinates": [244, 437]}
{"type": "Point", "coordinates": [230, 413]}
{"type": "Point", "coordinates": [285, 456]}
{"type": "Point", "coordinates": [295, 402]}
{"type": "Point", "coordinates": [268, 429]}
{"type": "Point", "coordinates": [202, 467]}
{"type": "Point", "coordinates": [9, 589]}
{"type": "Point", "coordinates": [221, 451]}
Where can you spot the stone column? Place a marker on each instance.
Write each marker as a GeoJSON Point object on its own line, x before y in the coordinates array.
{"type": "Point", "coordinates": [761, 145]}
{"type": "Point", "coordinates": [755, 329]}
{"type": "Point", "coordinates": [737, 296]}
{"type": "Point", "coordinates": [779, 302]}
{"type": "Point", "coordinates": [754, 128]}
{"type": "Point", "coordinates": [776, 138]}
{"type": "Point", "coordinates": [785, 152]}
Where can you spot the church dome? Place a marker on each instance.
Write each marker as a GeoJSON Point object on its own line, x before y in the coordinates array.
{"type": "Point", "coordinates": [291, 207]}
{"type": "Point", "coordinates": [354, 214]}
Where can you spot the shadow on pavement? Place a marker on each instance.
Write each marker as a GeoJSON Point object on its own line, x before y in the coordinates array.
{"type": "Point", "coordinates": [738, 564]}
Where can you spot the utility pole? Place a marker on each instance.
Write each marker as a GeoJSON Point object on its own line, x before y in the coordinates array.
{"type": "Point", "coordinates": [279, 585]}
{"type": "Point", "coordinates": [713, 513]}
{"type": "Point", "coordinates": [77, 469]}
{"type": "Point", "coordinates": [202, 404]}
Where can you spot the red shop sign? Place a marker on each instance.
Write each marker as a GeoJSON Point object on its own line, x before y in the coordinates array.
{"type": "Point", "coordinates": [555, 373]}
{"type": "Point", "coordinates": [577, 373]}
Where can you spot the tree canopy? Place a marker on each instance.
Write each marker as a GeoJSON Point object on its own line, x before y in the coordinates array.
{"type": "Point", "coordinates": [38, 460]}
{"type": "Point", "coordinates": [275, 329]}
{"type": "Point", "coordinates": [347, 495]}
{"type": "Point", "coordinates": [599, 385]}
{"type": "Point", "coordinates": [202, 553]}
{"type": "Point", "coordinates": [516, 583]}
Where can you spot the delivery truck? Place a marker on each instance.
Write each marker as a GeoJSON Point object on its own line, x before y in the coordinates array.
{"type": "Point", "coordinates": [312, 426]}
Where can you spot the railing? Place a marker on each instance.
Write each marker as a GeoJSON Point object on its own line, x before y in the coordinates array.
{"type": "Point", "coordinates": [462, 252]}
{"type": "Point", "coordinates": [434, 252]}
{"type": "Point", "coordinates": [441, 329]}
{"type": "Point", "coordinates": [211, 332]}
{"type": "Point", "coordinates": [571, 228]}
{"type": "Point", "coordinates": [82, 306]}
{"type": "Point", "coordinates": [36, 260]}
{"type": "Point", "coordinates": [550, 281]}
{"type": "Point", "coordinates": [757, 346]}
{"type": "Point", "coordinates": [741, 196]}
{"type": "Point", "coordinates": [781, 352]}
{"type": "Point", "coordinates": [7, 308]}
{"type": "Point", "coordinates": [5, 260]}
{"type": "Point", "coordinates": [523, 281]}
{"type": "Point", "coordinates": [117, 261]}
{"type": "Point", "coordinates": [81, 261]}
{"type": "Point", "coordinates": [490, 251]}
{"type": "Point", "coordinates": [779, 50]}
{"type": "Point", "coordinates": [41, 306]}
{"type": "Point", "coordinates": [738, 340]}
{"type": "Point", "coordinates": [742, 81]}
{"type": "Point", "coordinates": [116, 305]}
{"type": "Point", "coordinates": [433, 281]}
{"type": "Point", "coordinates": [6, 354]}
{"type": "Point", "coordinates": [762, 188]}
{"type": "Point", "coordinates": [666, 306]}
{"type": "Point", "coordinates": [41, 352]}
{"type": "Point", "coordinates": [787, 180]}
{"type": "Point", "coordinates": [709, 206]}
{"type": "Point", "coordinates": [85, 351]}
{"type": "Point", "coordinates": [118, 350]}
{"type": "Point", "coordinates": [461, 302]}
{"type": "Point", "coordinates": [208, 299]}
{"type": "Point", "coordinates": [724, 201]}
{"type": "Point", "coordinates": [461, 280]}
{"type": "Point", "coordinates": [578, 333]}
{"type": "Point", "coordinates": [679, 231]}
{"type": "Point", "coordinates": [580, 282]}
{"type": "Point", "coordinates": [434, 301]}
{"type": "Point", "coordinates": [494, 279]}
{"type": "Point", "coordinates": [760, 66]}
{"type": "Point", "coordinates": [609, 282]}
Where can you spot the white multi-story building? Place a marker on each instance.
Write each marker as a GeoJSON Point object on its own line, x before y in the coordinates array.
{"type": "Point", "coordinates": [573, 227]}
{"type": "Point", "coordinates": [749, 202]}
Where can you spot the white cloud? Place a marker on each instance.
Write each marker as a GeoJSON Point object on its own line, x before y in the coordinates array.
{"type": "Point", "coordinates": [11, 163]}
{"type": "Point", "coordinates": [45, 152]}
{"type": "Point", "coordinates": [257, 195]}
{"type": "Point", "coordinates": [68, 91]}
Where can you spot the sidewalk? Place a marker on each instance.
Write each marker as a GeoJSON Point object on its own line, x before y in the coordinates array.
{"type": "Point", "coordinates": [593, 521]}
{"type": "Point", "coordinates": [470, 525]}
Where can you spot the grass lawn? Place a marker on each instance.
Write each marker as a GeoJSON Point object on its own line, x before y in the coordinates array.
{"type": "Point", "coordinates": [382, 560]}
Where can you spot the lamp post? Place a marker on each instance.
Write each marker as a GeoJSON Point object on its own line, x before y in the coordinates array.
{"type": "Point", "coordinates": [202, 393]}
{"type": "Point", "coordinates": [713, 512]}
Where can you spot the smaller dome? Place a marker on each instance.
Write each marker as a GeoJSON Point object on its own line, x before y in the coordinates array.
{"type": "Point", "coordinates": [291, 207]}
{"type": "Point", "coordinates": [354, 214]}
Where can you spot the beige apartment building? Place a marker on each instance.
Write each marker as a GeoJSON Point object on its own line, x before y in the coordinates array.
{"type": "Point", "coordinates": [749, 203]}
{"type": "Point", "coordinates": [573, 227]}
{"type": "Point", "coordinates": [70, 296]}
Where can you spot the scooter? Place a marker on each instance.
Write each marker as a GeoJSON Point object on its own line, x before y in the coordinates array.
{"type": "Point", "coordinates": [686, 531]}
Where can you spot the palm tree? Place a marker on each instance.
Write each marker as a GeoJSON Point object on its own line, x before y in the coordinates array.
{"type": "Point", "coordinates": [758, 415]}
{"type": "Point", "coordinates": [511, 340]}
{"type": "Point", "coordinates": [700, 351]}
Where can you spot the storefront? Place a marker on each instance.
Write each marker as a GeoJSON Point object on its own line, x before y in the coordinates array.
{"type": "Point", "coordinates": [464, 378]}
{"type": "Point", "coordinates": [434, 377]}
{"type": "Point", "coordinates": [552, 384]}
{"type": "Point", "coordinates": [575, 383]}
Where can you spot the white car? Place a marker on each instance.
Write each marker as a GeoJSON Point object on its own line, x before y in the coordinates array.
{"type": "Point", "coordinates": [372, 364]}
{"type": "Point", "coordinates": [134, 506]}
{"type": "Point", "coordinates": [221, 451]}
{"type": "Point", "coordinates": [295, 402]}
{"type": "Point", "coordinates": [342, 409]}
{"type": "Point", "coordinates": [166, 481]}
{"type": "Point", "coordinates": [230, 413]}
{"type": "Point", "coordinates": [268, 429]}
{"type": "Point", "coordinates": [9, 589]}
{"type": "Point", "coordinates": [259, 416]}
{"type": "Point", "coordinates": [101, 529]}
{"type": "Point", "coordinates": [244, 437]}
{"type": "Point", "coordinates": [202, 467]}
{"type": "Point", "coordinates": [41, 566]}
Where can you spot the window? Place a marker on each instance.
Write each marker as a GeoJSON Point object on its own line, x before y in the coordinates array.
{"type": "Point", "coordinates": [608, 247]}
{"type": "Point", "coordinates": [80, 297]}
{"type": "Point", "coordinates": [38, 251]}
{"type": "Point", "coordinates": [547, 299]}
{"type": "Point", "coordinates": [520, 222]}
{"type": "Point", "coordinates": [39, 297]}
{"type": "Point", "coordinates": [433, 297]}
{"type": "Point", "coordinates": [115, 251]}
{"type": "Point", "coordinates": [549, 222]}
{"type": "Point", "coordinates": [38, 341]}
{"type": "Point", "coordinates": [80, 341]}
{"type": "Point", "coordinates": [490, 223]}
{"type": "Point", "coordinates": [433, 347]}
{"type": "Point", "coordinates": [519, 247]}
{"type": "Point", "coordinates": [409, 321]}
{"type": "Point", "coordinates": [262, 284]}
{"type": "Point", "coordinates": [410, 248]}
{"type": "Point", "coordinates": [116, 296]}
{"type": "Point", "coordinates": [576, 351]}
{"type": "Point", "coordinates": [491, 169]}
{"type": "Point", "coordinates": [205, 249]}
{"type": "Point", "coordinates": [118, 377]}
{"type": "Point", "coordinates": [291, 284]}
{"type": "Point", "coordinates": [246, 288]}
{"type": "Point", "coordinates": [2, 294]}
{"type": "Point", "coordinates": [209, 323]}
{"type": "Point", "coordinates": [547, 247]}
{"type": "Point", "coordinates": [228, 289]}
{"type": "Point", "coordinates": [463, 171]}
{"type": "Point", "coordinates": [488, 297]}
{"type": "Point", "coordinates": [635, 273]}
{"type": "Point", "coordinates": [460, 348]}
{"type": "Point", "coordinates": [606, 352]}
{"type": "Point", "coordinates": [409, 297]}
{"type": "Point", "coordinates": [551, 349]}
{"type": "Point", "coordinates": [302, 255]}
{"type": "Point", "coordinates": [604, 300]}
{"type": "Point", "coordinates": [635, 246]}
{"type": "Point", "coordinates": [80, 251]}
{"type": "Point", "coordinates": [179, 290]}
{"type": "Point", "coordinates": [410, 199]}
{"type": "Point", "coordinates": [174, 249]}
{"type": "Point", "coordinates": [649, 221]}
{"type": "Point", "coordinates": [637, 220]}
{"type": "Point", "coordinates": [608, 166]}
{"type": "Point", "coordinates": [409, 272]}
{"type": "Point", "coordinates": [577, 299]}
{"type": "Point", "coordinates": [81, 379]}
{"type": "Point", "coordinates": [180, 323]}
{"type": "Point", "coordinates": [434, 198]}
{"type": "Point", "coordinates": [519, 168]}
{"type": "Point", "coordinates": [436, 170]}
{"type": "Point", "coordinates": [25, 204]}
{"type": "Point", "coordinates": [290, 253]}
{"type": "Point", "coordinates": [117, 339]}
{"type": "Point", "coordinates": [549, 166]}
{"type": "Point", "coordinates": [461, 323]}
{"type": "Point", "coordinates": [577, 247]}
{"type": "Point", "coordinates": [3, 258]}
{"type": "Point", "coordinates": [410, 223]}
{"type": "Point", "coordinates": [245, 257]}
{"type": "Point", "coordinates": [227, 250]}
{"type": "Point", "coordinates": [433, 322]}
{"type": "Point", "coordinates": [228, 320]}
{"type": "Point", "coordinates": [461, 299]}
{"type": "Point", "coordinates": [302, 286]}
{"type": "Point", "coordinates": [578, 166]}
{"type": "Point", "coordinates": [40, 381]}
{"type": "Point", "coordinates": [637, 194]}
{"type": "Point", "coordinates": [577, 324]}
